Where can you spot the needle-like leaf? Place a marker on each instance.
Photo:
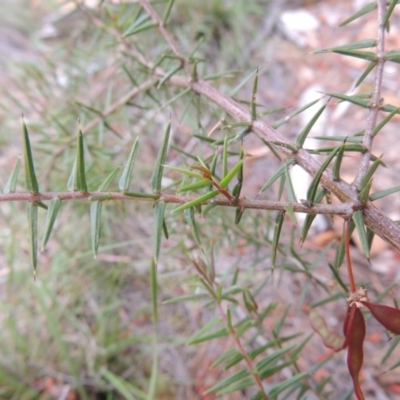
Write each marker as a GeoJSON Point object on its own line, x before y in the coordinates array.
{"type": "Point", "coordinates": [127, 171]}
{"type": "Point", "coordinates": [32, 220]}
{"type": "Point", "coordinates": [11, 184]}
{"type": "Point", "coordinates": [52, 212]}
{"type": "Point", "coordinates": [159, 166]}
{"type": "Point", "coordinates": [30, 175]}
{"type": "Point", "coordinates": [95, 218]}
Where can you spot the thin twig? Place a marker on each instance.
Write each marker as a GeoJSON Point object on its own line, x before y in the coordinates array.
{"type": "Point", "coordinates": [343, 210]}
{"type": "Point", "coordinates": [376, 96]}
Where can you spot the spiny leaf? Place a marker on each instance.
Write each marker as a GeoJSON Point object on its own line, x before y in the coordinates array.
{"type": "Point", "coordinates": [365, 10]}
{"type": "Point", "coordinates": [80, 174]}
{"type": "Point", "coordinates": [339, 256]}
{"type": "Point", "coordinates": [356, 99]}
{"type": "Point", "coordinates": [225, 157]}
{"type": "Point", "coordinates": [154, 290]}
{"type": "Point", "coordinates": [370, 172]}
{"type": "Point", "coordinates": [277, 232]}
{"type": "Point", "coordinates": [338, 163]}
{"type": "Point", "coordinates": [289, 185]}
{"type": "Point", "coordinates": [388, 13]}
{"type": "Point", "coordinates": [168, 75]}
{"type": "Point", "coordinates": [125, 179]}
{"type": "Point", "coordinates": [310, 217]}
{"type": "Point", "coordinates": [190, 220]}
{"type": "Point", "coordinates": [361, 44]}
{"type": "Point", "coordinates": [232, 173]}
{"type": "Point", "coordinates": [236, 377]}
{"type": "Point", "coordinates": [312, 190]}
{"type": "Point", "coordinates": [52, 212]}
{"type": "Point", "coordinates": [185, 172]}
{"type": "Point", "coordinates": [194, 186]}
{"type": "Point", "coordinates": [30, 176]}
{"type": "Point", "coordinates": [242, 83]}
{"type": "Point", "coordinates": [367, 71]}
{"type": "Point", "coordinates": [197, 201]}
{"type": "Point", "coordinates": [393, 55]}
{"type": "Point", "coordinates": [106, 184]}
{"type": "Point", "coordinates": [358, 219]}
{"type": "Point", "coordinates": [126, 389]}
{"type": "Point", "coordinates": [95, 218]}
{"type": "Point", "coordinates": [277, 124]}
{"type": "Point", "coordinates": [11, 184]}
{"type": "Point", "coordinates": [383, 193]}
{"type": "Point", "coordinates": [167, 11]}
{"type": "Point", "coordinates": [364, 55]}
{"type": "Point", "coordinates": [159, 210]}
{"type": "Point", "coordinates": [71, 179]}
{"type": "Point", "coordinates": [304, 133]}
{"type": "Point", "coordinates": [253, 105]}
{"type": "Point", "coordinates": [277, 175]}
{"type": "Point", "coordinates": [385, 121]}
{"type": "Point", "coordinates": [140, 28]}
{"type": "Point", "coordinates": [32, 220]}
{"type": "Point", "coordinates": [158, 169]}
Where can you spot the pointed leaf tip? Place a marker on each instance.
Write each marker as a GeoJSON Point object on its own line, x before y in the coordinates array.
{"type": "Point", "coordinates": [30, 175]}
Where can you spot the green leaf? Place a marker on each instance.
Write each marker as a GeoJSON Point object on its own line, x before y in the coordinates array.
{"type": "Point", "coordinates": [358, 219]}
{"type": "Point", "coordinates": [277, 175]}
{"type": "Point", "coordinates": [340, 250]}
{"type": "Point", "coordinates": [383, 193]}
{"type": "Point", "coordinates": [80, 174]}
{"type": "Point", "coordinates": [280, 216]}
{"type": "Point", "coordinates": [159, 211]}
{"type": "Point", "coordinates": [304, 133]}
{"type": "Point", "coordinates": [191, 221]}
{"type": "Point", "coordinates": [270, 359]}
{"type": "Point", "coordinates": [197, 201]}
{"type": "Point", "coordinates": [289, 185]}
{"type": "Point", "coordinates": [204, 331]}
{"type": "Point", "coordinates": [243, 82]}
{"type": "Point", "coordinates": [277, 124]}
{"type": "Point", "coordinates": [140, 195]}
{"type": "Point", "coordinates": [365, 10]}
{"type": "Point", "coordinates": [253, 105]}
{"type": "Point", "coordinates": [168, 75]}
{"type": "Point", "coordinates": [364, 55]}
{"type": "Point", "coordinates": [30, 176]}
{"type": "Point", "coordinates": [225, 157]}
{"type": "Point", "coordinates": [167, 11]}
{"type": "Point", "coordinates": [140, 28]}
{"type": "Point", "coordinates": [231, 174]}
{"type": "Point", "coordinates": [385, 121]}
{"type": "Point", "coordinates": [310, 217]}
{"type": "Point", "coordinates": [71, 179]}
{"type": "Point", "coordinates": [32, 221]}
{"type": "Point", "coordinates": [125, 179]}
{"type": "Point", "coordinates": [52, 212]}
{"type": "Point", "coordinates": [393, 55]}
{"type": "Point", "coordinates": [194, 186]}
{"type": "Point", "coordinates": [185, 172]}
{"type": "Point", "coordinates": [356, 99]}
{"type": "Point", "coordinates": [369, 174]}
{"type": "Point", "coordinates": [124, 388]}
{"type": "Point", "coordinates": [158, 169]}
{"type": "Point", "coordinates": [11, 184]}
{"type": "Point", "coordinates": [338, 163]}
{"type": "Point", "coordinates": [154, 290]}
{"type": "Point", "coordinates": [95, 218]}
{"type": "Point", "coordinates": [106, 184]}
{"type": "Point", "coordinates": [367, 71]}
{"type": "Point", "coordinates": [312, 190]}
{"type": "Point", "coordinates": [388, 13]}
{"type": "Point", "coordinates": [361, 44]}
{"type": "Point", "coordinates": [237, 377]}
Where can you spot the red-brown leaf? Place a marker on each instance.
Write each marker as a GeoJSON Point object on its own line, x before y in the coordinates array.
{"type": "Point", "coordinates": [355, 335]}
{"type": "Point", "coordinates": [389, 317]}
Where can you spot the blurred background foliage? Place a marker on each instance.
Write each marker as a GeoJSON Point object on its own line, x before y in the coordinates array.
{"type": "Point", "coordinates": [84, 328]}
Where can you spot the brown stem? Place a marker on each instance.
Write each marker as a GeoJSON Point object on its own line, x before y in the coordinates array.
{"type": "Point", "coordinates": [342, 210]}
